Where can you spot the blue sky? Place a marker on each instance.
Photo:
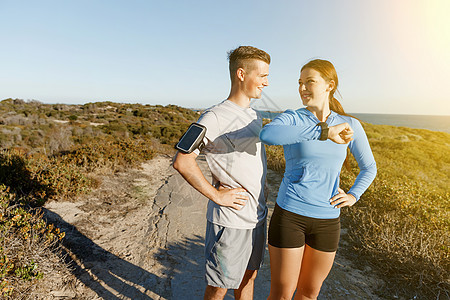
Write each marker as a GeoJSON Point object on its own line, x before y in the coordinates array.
{"type": "Point", "coordinates": [392, 56]}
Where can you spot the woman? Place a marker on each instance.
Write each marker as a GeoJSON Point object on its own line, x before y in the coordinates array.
{"type": "Point", "coordinates": [305, 227]}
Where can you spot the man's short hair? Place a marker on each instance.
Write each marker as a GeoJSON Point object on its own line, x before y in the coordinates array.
{"type": "Point", "coordinates": [242, 57]}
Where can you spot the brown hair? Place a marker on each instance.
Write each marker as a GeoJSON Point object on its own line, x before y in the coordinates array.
{"type": "Point", "coordinates": [328, 72]}
{"type": "Point", "coordinates": [242, 57]}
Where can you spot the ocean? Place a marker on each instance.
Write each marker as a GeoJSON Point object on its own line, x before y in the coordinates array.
{"type": "Point", "coordinates": [435, 123]}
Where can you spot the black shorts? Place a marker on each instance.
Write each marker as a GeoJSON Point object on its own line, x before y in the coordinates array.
{"type": "Point", "coordinates": [290, 230]}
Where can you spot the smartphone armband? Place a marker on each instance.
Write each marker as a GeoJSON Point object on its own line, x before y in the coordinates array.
{"type": "Point", "coordinates": [192, 139]}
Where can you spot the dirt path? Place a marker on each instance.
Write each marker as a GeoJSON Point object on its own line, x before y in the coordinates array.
{"type": "Point", "coordinates": [112, 238]}
{"type": "Point", "coordinates": [140, 236]}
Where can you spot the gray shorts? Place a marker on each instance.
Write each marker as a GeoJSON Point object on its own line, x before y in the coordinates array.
{"type": "Point", "coordinates": [229, 252]}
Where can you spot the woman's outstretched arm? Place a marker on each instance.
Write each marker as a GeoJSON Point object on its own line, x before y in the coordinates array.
{"type": "Point", "coordinates": [287, 128]}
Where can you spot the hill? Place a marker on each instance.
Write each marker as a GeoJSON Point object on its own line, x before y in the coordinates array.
{"type": "Point", "coordinates": [400, 227]}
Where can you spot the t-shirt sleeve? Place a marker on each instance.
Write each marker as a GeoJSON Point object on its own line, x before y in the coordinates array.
{"type": "Point", "coordinates": [288, 128]}
{"type": "Point", "coordinates": [360, 149]}
{"type": "Point", "coordinates": [209, 120]}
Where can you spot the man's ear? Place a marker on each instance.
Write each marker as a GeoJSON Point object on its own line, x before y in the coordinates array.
{"type": "Point", "coordinates": [240, 74]}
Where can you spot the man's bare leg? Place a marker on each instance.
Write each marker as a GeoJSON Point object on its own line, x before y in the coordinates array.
{"type": "Point", "coordinates": [214, 293]}
{"type": "Point", "coordinates": [245, 291]}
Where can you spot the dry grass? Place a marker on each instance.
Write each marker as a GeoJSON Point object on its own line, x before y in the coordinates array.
{"type": "Point", "coordinates": [29, 249]}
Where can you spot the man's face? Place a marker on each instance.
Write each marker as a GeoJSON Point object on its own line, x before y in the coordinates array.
{"type": "Point", "coordinates": [256, 79]}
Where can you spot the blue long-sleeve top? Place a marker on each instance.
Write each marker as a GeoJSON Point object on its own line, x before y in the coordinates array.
{"type": "Point", "coordinates": [311, 176]}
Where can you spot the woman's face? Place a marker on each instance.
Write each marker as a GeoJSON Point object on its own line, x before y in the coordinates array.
{"type": "Point", "coordinates": [313, 89]}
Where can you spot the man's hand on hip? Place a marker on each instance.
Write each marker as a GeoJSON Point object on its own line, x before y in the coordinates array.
{"type": "Point", "coordinates": [233, 198]}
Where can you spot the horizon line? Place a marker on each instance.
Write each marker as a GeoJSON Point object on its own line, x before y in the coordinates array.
{"type": "Point", "coordinates": [203, 108]}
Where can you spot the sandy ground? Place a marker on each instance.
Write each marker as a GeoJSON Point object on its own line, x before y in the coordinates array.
{"type": "Point", "coordinates": [140, 235]}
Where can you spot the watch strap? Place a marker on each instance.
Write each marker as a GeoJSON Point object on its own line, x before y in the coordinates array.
{"type": "Point", "coordinates": [324, 133]}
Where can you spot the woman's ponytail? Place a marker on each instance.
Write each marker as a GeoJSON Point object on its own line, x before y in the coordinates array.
{"type": "Point", "coordinates": [336, 106]}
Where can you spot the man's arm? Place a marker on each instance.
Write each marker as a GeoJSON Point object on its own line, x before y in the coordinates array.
{"type": "Point", "coordinates": [187, 166]}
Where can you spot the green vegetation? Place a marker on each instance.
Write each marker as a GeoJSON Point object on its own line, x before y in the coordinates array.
{"type": "Point", "coordinates": [26, 242]}
{"type": "Point", "coordinates": [56, 152]}
{"type": "Point", "coordinates": [400, 226]}
{"type": "Point", "coordinates": [51, 129]}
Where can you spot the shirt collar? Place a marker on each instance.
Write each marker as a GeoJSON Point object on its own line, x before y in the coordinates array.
{"type": "Point", "coordinates": [304, 111]}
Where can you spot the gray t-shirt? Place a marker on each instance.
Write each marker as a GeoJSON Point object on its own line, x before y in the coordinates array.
{"type": "Point", "coordinates": [236, 158]}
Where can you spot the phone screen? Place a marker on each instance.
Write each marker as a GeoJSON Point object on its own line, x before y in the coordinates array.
{"type": "Point", "coordinates": [190, 137]}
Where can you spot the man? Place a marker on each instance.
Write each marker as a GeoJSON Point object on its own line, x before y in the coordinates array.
{"type": "Point", "coordinates": [236, 214]}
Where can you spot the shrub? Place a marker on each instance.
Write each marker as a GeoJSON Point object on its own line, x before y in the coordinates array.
{"type": "Point", "coordinates": [275, 158]}
{"type": "Point", "coordinates": [26, 244]}
{"type": "Point", "coordinates": [39, 177]}
{"type": "Point", "coordinates": [108, 153]}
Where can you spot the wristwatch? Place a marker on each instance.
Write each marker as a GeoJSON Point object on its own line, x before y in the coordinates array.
{"type": "Point", "coordinates": [324, 133]}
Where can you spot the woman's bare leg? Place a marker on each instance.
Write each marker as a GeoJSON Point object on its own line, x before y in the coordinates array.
{"type": "Point", "coordinates": [285, 266]}
{"type": "Point", "coordinates": [315, 268]}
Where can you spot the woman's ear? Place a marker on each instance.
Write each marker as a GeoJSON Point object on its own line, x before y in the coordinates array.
{"type": "Point", "coordinates": [331, 85]}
